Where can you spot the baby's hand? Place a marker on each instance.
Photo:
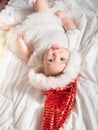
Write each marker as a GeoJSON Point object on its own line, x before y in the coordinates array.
{"type": "Point", "coordinates": [60, 14]}
{"type": "Point", "coordinates": [23, 47]}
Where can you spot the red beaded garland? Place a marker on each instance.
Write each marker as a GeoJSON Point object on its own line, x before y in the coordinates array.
{"type": "Point", "coordinates": [58, 106]}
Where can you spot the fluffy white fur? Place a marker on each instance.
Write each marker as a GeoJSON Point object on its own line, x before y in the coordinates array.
{"type": "Point", "coordinates": [40, 81]}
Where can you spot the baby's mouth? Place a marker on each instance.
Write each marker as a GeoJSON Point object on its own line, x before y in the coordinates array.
{"type": "Point", "coordinates": [55, 48]}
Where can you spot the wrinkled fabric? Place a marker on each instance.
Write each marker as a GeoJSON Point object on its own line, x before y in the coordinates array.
{"type": "Point", "coordinates": [15, 11]}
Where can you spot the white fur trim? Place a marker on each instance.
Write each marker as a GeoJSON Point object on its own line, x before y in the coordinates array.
{"type": "Point", "coordinates": [40, 81]}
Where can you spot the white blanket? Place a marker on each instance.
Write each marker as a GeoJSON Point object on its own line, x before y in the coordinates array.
{"type": "Point", "coordinates": [21, 106]}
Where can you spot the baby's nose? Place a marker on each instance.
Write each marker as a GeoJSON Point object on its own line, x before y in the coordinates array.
{"type": "Point", "coordinates": [55, 53]}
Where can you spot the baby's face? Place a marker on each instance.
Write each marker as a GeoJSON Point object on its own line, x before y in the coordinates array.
{"type": "Point", "coordinates": [55, 60]}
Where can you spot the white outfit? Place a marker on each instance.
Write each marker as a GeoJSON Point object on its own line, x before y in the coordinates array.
{"type": "Point", "coordinates": [41, 30]}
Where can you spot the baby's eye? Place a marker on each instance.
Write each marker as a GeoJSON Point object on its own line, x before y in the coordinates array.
{"type": "Point", "coordinates": [62, 59]}
{"type": "Point", "coordinates": [50, 60]}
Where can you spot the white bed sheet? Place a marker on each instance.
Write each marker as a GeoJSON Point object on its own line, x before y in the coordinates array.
{"type": "Point", "coordinates": [21, 106]}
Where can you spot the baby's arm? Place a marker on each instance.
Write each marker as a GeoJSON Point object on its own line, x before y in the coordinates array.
{"type": "Point", "coordinates": [26, 52]}
{"type": "Point", "coordinates": [67, 22]}
{"type": "Point", "coordinates": [73, 33]}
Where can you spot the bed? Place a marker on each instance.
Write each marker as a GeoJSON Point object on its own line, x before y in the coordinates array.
{"type": "Point", "coordinates": [21, 105]}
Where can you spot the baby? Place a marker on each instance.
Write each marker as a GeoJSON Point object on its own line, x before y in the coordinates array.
{"type": "Point", "coordinates": [54, 38]}
{"type": "Point", "coordinates": [43, 33]}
